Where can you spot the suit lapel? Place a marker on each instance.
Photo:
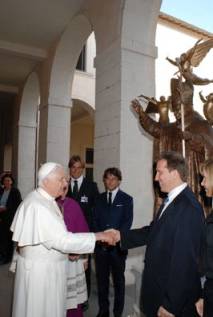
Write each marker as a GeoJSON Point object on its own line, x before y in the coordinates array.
{"type": "Point", "coordinates": [81, 189]}
{"type": "Point", "coordinates": [171, 207]}
{"type": "Point", "coordinates": [117, 197]}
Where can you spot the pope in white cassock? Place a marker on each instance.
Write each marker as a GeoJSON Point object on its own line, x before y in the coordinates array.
{"type": "Point", "coordinates": [43, 241]}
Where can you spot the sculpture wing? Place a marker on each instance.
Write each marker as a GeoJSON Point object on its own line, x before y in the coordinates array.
{"type": "Point", "coordinates": [197, 53]}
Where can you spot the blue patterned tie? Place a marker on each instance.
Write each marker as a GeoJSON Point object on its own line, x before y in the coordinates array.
{"type": "Point", "coordinates": [159, 213]}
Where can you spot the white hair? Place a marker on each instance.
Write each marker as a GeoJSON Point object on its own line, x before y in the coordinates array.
{"type": "Point", "coordinates": [46, 169]}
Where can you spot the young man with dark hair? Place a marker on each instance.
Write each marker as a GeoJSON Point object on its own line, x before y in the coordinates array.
{"type": "Point", "coordinates": [114, 209]}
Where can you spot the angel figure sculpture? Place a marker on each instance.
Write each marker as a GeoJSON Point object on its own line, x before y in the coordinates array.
{"type": "Point", "coordinates": [207, 106]}
{"type": "Point", "coordinates": [183, 90]}
{"type": "Point", "coordinates": [161, 107]}
{"type": "Point", "coordinates": [192, 58]}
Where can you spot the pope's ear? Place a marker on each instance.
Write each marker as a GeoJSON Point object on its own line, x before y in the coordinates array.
{"type": "Point", "coordinates": [45, 181]}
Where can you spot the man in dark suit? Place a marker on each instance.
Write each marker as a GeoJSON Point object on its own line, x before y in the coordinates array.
{"type": "Point", "coordinates": [85, 193]}
{"type": "Point", "coordinates": [171, 281]}
{"type": "Point", "coordinates": [114, 209]}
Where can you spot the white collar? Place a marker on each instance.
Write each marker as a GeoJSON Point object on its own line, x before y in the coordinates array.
{"type": "Point", "coordinates": [45, 194]}
{"type": "Point", "coordinates": [79, 180]}
{"type": "Point", "coordinates": [176, 191]}
{"type": "Point", "coordinates": [114, 192]}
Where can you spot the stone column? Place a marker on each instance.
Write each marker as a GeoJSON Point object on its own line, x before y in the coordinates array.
{"type": "Point", "coordinates": [26, 157]}
{"type": "Point", "coordinates": [54, 137]}
{"type": "Point", "coordinates": [123, 72]}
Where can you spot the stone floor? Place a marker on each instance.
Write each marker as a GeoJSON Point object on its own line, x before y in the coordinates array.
{"type": "Point", "coordinates": [6, 288]}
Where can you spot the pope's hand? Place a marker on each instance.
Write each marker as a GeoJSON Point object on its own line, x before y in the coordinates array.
{"type": "Point", "coordinates": [116, 233]}
{"type": "Point", "coordinates": [106, 237]}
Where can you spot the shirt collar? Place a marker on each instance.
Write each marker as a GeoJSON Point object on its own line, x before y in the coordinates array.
{"type": "Point", "coordinates": [176, 191]}
{"type": "Point", "coordinates": [79, 180]}
{"type": "Point", "coordinates": [45, 194]}
{"type": "Point", "coordinates": [114, 192]}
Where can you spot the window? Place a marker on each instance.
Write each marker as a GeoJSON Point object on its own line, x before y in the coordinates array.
{"type": "Point", "coordinates": [89, 160]}
{"type": "Point", "coordinates": [89, 156]}
{"type": "Point", "coordinates": [81, 64]}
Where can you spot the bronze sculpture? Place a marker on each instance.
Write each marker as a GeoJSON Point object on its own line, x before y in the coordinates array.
{"type": "Point", "coordinates": [207, 106]}
{"type": "Point", "coordinates": [197, 132]}
{"type": "Point", "coordinates": [161, 107]}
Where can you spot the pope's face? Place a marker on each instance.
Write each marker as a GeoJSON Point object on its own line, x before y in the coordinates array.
{"type": "Point", "coordinates": [55, 183]}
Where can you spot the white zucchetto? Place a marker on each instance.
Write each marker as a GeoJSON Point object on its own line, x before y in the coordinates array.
{"type": "Point", "coordinates": [46, 169]}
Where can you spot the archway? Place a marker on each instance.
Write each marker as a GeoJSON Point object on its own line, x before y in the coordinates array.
{"type": "Point", "coordinates": [82, 134]}
{"type": "Point", "coordinates": [55, 116]}
{"type": "Point", "coordinates": [27, 139]}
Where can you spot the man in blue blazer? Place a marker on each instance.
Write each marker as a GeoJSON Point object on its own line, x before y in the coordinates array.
{"type": "Point", "coordinates": [114, 209]}
{"type": "Point", "coordinates": [171, 279]}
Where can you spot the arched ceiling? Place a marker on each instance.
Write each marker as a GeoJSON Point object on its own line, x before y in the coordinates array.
{"type": "Point", "coordinates": [28, 29]}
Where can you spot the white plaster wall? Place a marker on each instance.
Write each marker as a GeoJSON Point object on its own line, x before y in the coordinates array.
{"type": "Point", "coordinates": [82, 138]}
{"type": "Point", "coordinates": [83, 87]}
{"type": "Point", "coordinates": [90, 54]}
{"type": "Point", "coordinates": [7, 157]}
{"type": "Point", "coordinates": [58, 134]}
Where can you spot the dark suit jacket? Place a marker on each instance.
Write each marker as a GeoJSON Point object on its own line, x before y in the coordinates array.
{"type": "Point", "coordinates": [13, 201]}
{"type": "Point", "coordinates": [118, 216]}
{"type": "Point", "coordinates": [171, 274]}
{"type": "Point", "coordinates": [86, 198]}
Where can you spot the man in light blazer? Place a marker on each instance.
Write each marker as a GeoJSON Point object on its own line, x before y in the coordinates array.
{"type": "Point", "coordinates": [113, 209]}
{"type": "Point", "coordinates": [171, 279]}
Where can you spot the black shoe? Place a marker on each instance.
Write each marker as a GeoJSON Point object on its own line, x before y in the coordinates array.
{"type": "Point", "coordinates": [104, 314]}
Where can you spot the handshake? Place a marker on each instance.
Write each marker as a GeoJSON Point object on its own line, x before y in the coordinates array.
{"type": "Point", "coordinates": [110, 236]}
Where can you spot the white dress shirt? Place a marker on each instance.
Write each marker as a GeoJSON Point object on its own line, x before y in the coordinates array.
{"type": "Point", "coordinates": [79, 180]}
{"type": "Point", "coordinates": [114, 192]}
{"type": "Point", "coordinates": [172, 194]}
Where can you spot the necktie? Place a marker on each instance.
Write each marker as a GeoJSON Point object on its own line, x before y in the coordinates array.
{"type": "Point", "coordinates": [75, 189]}
{"type": "Point", "coordinates": [110, 198]}
{"type": "Point", "coordinates": [159, 213]}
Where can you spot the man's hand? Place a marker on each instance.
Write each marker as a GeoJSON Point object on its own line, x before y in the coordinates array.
{"type": "Point", "coordinates": [116, 233]}
{"type": "Point", "coordinates": [108, 237]}
{"type": "Point", "coordinates": [199, 307]}
{"type": "Point", "coordinates": [162, 312]}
